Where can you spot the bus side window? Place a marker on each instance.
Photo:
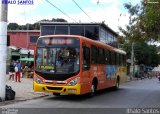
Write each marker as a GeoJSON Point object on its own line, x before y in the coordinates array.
{"type": "Point", "coordinates": [94, 54]}
{"type": "Point", "coordinates": [117, 58]}
{"type": "Point", "coordinates": [120, 59]}
{"type": "Point", "coordinates": [86, 58]}
{"type": "Point", "coordinates": [101, 56]}
{"type": "Point", "coordinates": [113, 60]}
{"type": "Point", "coordinates": [107, 57]}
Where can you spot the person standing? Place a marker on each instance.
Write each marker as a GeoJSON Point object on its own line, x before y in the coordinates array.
{"type": "Point", "coordinates": [18, 71]}
{"type": "Point", "coordinates": [11, 71]}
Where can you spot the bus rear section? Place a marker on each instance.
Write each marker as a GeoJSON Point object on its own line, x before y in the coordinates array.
{"type": "Point", "coordinates": [57, 65]}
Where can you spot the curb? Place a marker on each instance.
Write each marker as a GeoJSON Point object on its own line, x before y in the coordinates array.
{"type": "Point", "coordinates": [133, 79]}
{"type": "Point", "coordinates": [19, 100]}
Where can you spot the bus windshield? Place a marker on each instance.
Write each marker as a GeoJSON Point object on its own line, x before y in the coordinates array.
{"type": "Point", "coordinates": [57, 55]}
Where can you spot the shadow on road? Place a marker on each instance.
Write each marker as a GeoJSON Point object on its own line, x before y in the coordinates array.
{"type": "Point", "coordinates": [78, 98]}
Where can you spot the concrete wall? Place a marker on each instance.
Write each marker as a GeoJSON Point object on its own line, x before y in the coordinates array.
{"type": "Point", "coordinates": [19, 39]}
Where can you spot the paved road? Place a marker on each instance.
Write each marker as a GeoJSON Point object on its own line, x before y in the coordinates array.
{"type": "Point", "coordinates": [135, 94]}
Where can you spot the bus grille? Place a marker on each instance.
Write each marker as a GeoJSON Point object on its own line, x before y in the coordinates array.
{"type": "Point", "coordinates": [54, 88]}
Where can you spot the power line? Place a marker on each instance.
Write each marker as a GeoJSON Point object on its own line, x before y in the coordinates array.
{"type": "Point", "coordinates": [60, 10]}
{"type": "Point", "coordinates": [83, 10]}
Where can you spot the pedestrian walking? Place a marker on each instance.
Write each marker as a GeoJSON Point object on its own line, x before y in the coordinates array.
{"type": "Point", "coordinates": [18, 71]}
{"type": "Point", "coordinates": [11, 71]}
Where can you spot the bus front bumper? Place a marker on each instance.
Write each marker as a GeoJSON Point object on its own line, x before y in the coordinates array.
{"type": "Point", "coordinates": [63, 90]}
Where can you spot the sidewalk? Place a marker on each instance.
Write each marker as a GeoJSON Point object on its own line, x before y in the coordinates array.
{"type": "Point", "coordinates": [24, 89]}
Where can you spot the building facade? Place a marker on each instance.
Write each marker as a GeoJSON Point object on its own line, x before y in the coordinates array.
{"type": "Point", "coordinates": [22, 38]}
{"type": "Point", "coordinates": [95, 31]}
{"type": "Point", "coordinates": [20, 43]}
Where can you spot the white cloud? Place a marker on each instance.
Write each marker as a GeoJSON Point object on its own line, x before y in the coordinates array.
{"type": "Point", "coordinates": [110, 14]}
{"type": "Point", "coordinates": [20, 13]}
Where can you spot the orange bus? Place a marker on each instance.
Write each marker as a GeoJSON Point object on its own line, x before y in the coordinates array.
{"type": "Point", "coordinates": [71, 64]}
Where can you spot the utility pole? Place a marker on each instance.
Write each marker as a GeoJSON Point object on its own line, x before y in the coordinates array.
{"type": "Point", "coordinates": [132, 61]}
{"type": "Point", "coordinates": [3, 48]}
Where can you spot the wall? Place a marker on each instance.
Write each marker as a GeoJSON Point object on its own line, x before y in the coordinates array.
{"type": "Point", "coordinates": [19, 39]}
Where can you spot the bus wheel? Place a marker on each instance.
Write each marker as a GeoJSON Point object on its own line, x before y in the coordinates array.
{"type": "Point", "coordinates": [56, 94]}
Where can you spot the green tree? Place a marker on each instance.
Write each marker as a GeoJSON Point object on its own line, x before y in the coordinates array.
{"type": "Point", "coordinates": [143, 26]}
{"type": "Point", "coordinates": [126, 46]}
{"type": "Point", "coordinates": [58, 20]}
{"type": "Point", "coordinates": [149, 19]}
{"type": "Point", "coordinates": [144, 21]}
{"type": "Point", "coordinates": [132, 32]}
{"type": "Point", "coordinates": [35, 26]}
{"type": "Point", "coordinates": [144, 53]}
{"type": "Point", "coordinates": [13, 26]}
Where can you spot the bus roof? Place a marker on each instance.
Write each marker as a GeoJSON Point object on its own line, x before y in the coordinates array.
{"type": "Point", "coordinates": [100, 44]}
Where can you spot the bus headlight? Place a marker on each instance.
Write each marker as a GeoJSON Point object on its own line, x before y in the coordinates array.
{"type": "Point", "coordinates": [74, 81]}
{"type": "Point", "coordinates": [38, 80]}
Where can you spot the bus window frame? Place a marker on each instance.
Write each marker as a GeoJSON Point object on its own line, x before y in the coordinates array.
{"type": "Point", "coordinates": [94, 53]}
{"type": "Point", "coordinates": [86, 55]}
{"type": "Point", "coordinates": [117, 59]}
{"type": "Point", "coordinates": [101, 58]}
{"type": "Point", "coordinates": [120, 59]}
{"type": "Point", "coordinates": [113, 59]}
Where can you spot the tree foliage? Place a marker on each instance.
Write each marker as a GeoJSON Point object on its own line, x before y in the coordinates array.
{"type": "Point", "coordinates": [144, 53]}
{"type": "Point", "coordinates": [144, 21]}
{"type": "Point", "coordinates": [143, 26]}
{"type": "Point", "coordinates": [127, 47]}
{"type": "Point", "coordinates": [13, 26]}
{"type": "Point", "coordinates": [149, 19]}
{"type": "Point", "coordinates": [35, 26]}
{"type": "Point", "coordinates": [132, 31]}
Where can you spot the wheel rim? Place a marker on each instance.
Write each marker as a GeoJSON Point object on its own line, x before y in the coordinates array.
{"type": "Point", "coordinates": [92, 89]}
{"type": "Point", "coordinates": [117, 84]}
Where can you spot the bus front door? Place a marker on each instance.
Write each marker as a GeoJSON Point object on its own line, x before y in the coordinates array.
{"type": "Point", "coordinates": [85, 87]}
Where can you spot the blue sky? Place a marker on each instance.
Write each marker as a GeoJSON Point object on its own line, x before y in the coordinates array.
{"type": "Point", "coordinates": [106, 10]}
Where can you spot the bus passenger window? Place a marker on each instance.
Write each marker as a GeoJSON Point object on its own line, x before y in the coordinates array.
{"type": "Point", "coordinates": [94, 54]}
{"type": "Point", "coordinates": [120, 59]}
{"type": "Point", "coordinates": [101, 58]}
{"type": "Point", "coordinates": [117, 57]}
{"type": "Point", "coordinates": [107, 57]}
{"type": "Point", "coordinates": [86, 58]}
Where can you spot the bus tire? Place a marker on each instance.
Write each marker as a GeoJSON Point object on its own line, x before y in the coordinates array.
{"type": "Point", "coordinates": [56, 94]}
